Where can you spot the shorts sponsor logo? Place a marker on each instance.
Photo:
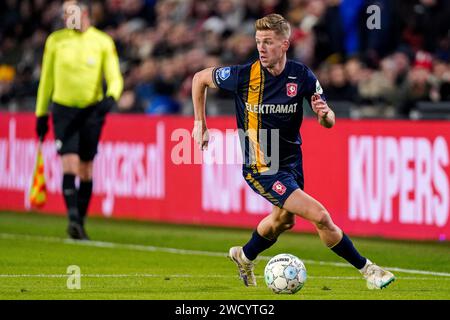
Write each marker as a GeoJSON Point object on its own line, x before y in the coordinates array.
{"type": "Point", "coordinates": [279, 188]}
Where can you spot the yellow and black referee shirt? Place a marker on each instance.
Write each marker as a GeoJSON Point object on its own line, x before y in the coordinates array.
{"type": "Point", "coordinates": [73, 68]}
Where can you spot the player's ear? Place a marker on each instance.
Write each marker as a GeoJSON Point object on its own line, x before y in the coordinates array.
{"type": "Point", "coordinates": [85, 13]}
{"type": "Point", "coordinates": [286, 44]}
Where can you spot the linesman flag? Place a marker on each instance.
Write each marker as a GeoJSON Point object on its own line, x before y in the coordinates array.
{"type": "Point", "coordinates": [38, 192]}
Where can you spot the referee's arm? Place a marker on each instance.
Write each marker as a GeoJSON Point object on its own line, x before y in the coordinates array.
{"type": "Point", "coordinates": [111, 71]}
{"type": "Point", "coordinates": [46, 81]}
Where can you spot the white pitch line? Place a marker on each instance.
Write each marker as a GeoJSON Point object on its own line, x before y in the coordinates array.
{"type": "Point", "coordinates": [204, 276]}
{"type": "Point", "coordinates": [132, 275]}
{"type": "Point", "coordinates": [137, 247]}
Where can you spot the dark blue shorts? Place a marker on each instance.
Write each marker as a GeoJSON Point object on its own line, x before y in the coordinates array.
{"type": "Point", "coordinates": [277, 187]}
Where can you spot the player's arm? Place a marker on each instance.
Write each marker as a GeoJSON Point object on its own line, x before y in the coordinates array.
{"type": "Point", "coordinates": [46, 81]}
{"type": "Point", "coordinates": [200, 83]}
{"type": "Point", "coordinates": [45, 90]}
{"type": "Point", "coordinates": [111, 71]}
{"type": "Point", "coordinates": [325, 115]}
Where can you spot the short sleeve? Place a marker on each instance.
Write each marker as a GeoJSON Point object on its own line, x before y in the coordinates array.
{"type": "Point", "coordinates": [226, 78]}
{"type": "Point", "coordinates": [312, 86]}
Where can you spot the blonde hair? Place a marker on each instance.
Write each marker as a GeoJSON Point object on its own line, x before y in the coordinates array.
{"type": "Point", "coordinates": [276, 23]}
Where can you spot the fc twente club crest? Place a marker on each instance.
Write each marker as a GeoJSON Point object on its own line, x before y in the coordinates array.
{"type": "Point", "coordinates": [291, 89]}
{"type": "Point", "coordinates": [279, 188]}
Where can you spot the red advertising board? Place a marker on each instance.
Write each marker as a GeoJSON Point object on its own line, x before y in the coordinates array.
{"type": "Point", "coordinates": [377, 178]}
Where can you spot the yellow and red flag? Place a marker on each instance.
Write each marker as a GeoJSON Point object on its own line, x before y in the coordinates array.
{"type": "Point", "coordinates": [38, 192]}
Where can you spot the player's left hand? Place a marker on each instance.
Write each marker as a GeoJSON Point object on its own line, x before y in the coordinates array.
{"type": "Point", "coordinates": [319, 106]}
{"type": "Point", "coordinates": [200, 134]}
{"type": "Point", "coordinates": [106, 105]}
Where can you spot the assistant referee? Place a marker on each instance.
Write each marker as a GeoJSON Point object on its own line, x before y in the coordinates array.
{"type": "Point", "coordinates": [76, 61]}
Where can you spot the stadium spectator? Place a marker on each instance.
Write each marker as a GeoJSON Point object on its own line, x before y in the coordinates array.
{"type": "Point", "coordinates": [376, 43]}
{"type": "Point", "coordinates": [353, 71]}
{"type": "Point", "coordinates": [441, 72]}
{"type": "Point", "coordinates": [328, 32]}
{"type": "Point", "coordinates": [339, 88]}
{"type": "Point", "coordinates": [166, 86]}
{"type": "Point", "coordinates": [426, 23]}
{"type": "Point", "coordinates": [128, 103]}
{"type": "Point", "coordinates": [418, 86]}
{"type": "Point", "coordinates": [144, 87]}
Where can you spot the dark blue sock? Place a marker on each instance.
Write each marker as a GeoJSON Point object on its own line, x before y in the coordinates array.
{"type": "Point", "coordinates": [346, 250]}
{"type": "Point", "coordinates": [256, 245]}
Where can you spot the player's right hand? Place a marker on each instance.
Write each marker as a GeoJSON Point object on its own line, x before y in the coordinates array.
{"type": "Point", "coordinates": [42, 127]}
{"type": "Point", "coordinates": [319, 106]}
{"type": "Point", "coordinates": [106, 105]}
{"type": "Point", "coordinates": [200, 134]}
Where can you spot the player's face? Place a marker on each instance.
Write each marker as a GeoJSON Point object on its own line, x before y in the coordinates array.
{"type": "Point", "coordinates": [73, 14]}
{"type": "Point", "coordinates": [271, 47]}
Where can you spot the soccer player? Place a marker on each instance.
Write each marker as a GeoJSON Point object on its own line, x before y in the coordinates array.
{"type": "Point", "coordinates": [268, 95]}
{"type": "Point", "coordinates": [75, 62]}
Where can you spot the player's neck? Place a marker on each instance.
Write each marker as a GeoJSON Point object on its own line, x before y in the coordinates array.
{"type": "Point", "coordinates": [278, 68]}
{"type": "Point", "coordinates": [85, 26]}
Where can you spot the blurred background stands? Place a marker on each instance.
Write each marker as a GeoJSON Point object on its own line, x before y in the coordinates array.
{"type": "Point", "coordinates": [399, 71]}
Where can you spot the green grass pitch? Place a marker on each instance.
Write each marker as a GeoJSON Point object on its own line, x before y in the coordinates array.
{"type": "Point", "coordinates": [142, 260]}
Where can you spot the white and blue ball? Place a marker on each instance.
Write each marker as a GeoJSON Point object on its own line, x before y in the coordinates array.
{"type": "Point", "coordinates": [285, 273]}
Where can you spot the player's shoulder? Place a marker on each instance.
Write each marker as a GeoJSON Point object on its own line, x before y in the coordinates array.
{"type": "Point", "coordinates": [299, 68]}
{"type": "Point", "coordinates": [248, 65]}
{"type": "Point", "coordinates": [231, 71]}
{"type": "Point", "coordinates": [238, 68]}
{"type": "Point", "coordinates": [58, 35]}
{"type": "Point", "coordinates": [101, 35]}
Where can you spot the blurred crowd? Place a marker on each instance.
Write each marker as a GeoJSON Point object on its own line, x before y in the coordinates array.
{"type": "Point", "coordinates": [382, 72]}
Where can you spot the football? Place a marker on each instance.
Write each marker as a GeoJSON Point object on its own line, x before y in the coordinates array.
{"type": "Point", "coordinates": [285, 273]}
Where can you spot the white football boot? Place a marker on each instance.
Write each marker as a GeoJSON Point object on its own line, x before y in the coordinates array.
{"type": "Point", "coordinates": [376, 277]}
{"type": "Point", "coordinates": [244, 265]}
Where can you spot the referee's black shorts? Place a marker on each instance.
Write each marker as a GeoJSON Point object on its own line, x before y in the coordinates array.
{"type": "Point", "coordinates": [77, 130]}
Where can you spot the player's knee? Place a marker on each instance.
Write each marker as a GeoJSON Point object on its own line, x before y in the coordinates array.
{"type": "Point", "coordinates": [85, 175]}
{"type": "Point", "coordinates": [323, 220]}
{"type": "Point", "coordinates": [85, 171]}
{"type": "Point", "coordinates": [285, 222]}
{"type": "Point", "coordinates": [280, 227]}
{"type": "Point", "coordinates": [70, 164]}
